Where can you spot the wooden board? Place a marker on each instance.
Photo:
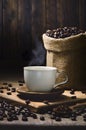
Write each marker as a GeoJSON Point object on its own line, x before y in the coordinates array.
{"type": "Point", "coordinates": [40, 105]}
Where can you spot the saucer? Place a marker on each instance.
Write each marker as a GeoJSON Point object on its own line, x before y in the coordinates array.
{"type": "Point", "coordinates": [26, 94]}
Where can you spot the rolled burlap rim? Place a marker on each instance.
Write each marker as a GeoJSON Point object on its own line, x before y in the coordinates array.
{"type": "Point", "coordinates": [64, 44]}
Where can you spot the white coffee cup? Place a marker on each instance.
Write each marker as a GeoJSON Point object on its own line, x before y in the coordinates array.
{"type": "Point", "coordinates": [41, 78]}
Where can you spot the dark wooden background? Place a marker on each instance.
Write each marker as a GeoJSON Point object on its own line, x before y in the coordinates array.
{"type": "Point", "coordinates": [20, 19]}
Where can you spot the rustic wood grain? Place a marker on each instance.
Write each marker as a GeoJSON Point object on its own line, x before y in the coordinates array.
{"type": "Point", "coordinates": [38, 17]}
{"type": "Point", "coordinates": [72, 16]}
{"type": "Point", "coordinates": [82, 14]}
{"type": "Point", "coordinates": [51, 16]}
{"type": "Point", "coordinates": [59, 13]}
{"type": "Point", "coordinates": [24, 36]}
{"type": "Point", "coordinates": [24, 18]}
{"type": "Point", "coordinates": [9, 28]}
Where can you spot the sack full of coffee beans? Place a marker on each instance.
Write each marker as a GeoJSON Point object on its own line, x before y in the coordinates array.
{"type": "Point", "coordinates": [66, 50]}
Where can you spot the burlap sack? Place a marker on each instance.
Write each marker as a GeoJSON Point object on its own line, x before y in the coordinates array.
{"type": "Point", "coordinates": [69, 55]}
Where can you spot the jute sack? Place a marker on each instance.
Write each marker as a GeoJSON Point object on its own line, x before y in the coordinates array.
{"type": "Point", "coordinates": [68, 55]}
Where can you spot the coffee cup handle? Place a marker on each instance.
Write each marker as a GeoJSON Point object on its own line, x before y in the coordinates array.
{"type": "Point", "coordinates": [63, 82]}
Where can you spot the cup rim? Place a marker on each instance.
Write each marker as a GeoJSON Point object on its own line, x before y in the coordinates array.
{"type": "Point", "coordinates": [39, 68]}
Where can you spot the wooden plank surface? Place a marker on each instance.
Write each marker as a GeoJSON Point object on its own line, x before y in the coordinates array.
{"type": "Point", "coordinates": [22, 18]}
{"type": "Point", "coordinates": [59, 13]}
{"type": "Point", "coordinates": [24, 28]}
{"type": "Point", "coordinates": [40, 105]}
{"type": "Point", "coordinates": [9, 28]}
{"type": "Point", "coordinates": [82, 14]}
{"type": "Point", "coordinates": [51, 14]}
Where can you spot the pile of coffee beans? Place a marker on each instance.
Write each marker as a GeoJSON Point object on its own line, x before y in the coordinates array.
{"type": "Point", "coordinates": [12, 112]}
{"type": "Point", "coordinates": [64, 111]}
{"type": "Point", "coordinates": [63, 32]}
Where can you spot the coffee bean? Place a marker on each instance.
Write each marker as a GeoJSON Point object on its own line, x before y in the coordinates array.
{"type": "Point", "coordinates": [49, 112]}
{"type": "Point", "coordinates": [53, 113]}
{"type": "Point", "coordinates": [73, 114]}
{"type": "Point", "coordinates": [26, 109]}
{"type": "Point", "coordinates": [10, 85]}
{"type": "Point", "coordinates": [79, 112]}
{"type": "Point", "coordinates": [27, 101]}
{"type": "Point", "coordinates": [42, 118]}
{"type": "Point", "coordinates": [58, 118]}
{"type": "Point", "coordinates": [13, 90]}
{"type": "Point", "coordinates": [9, 118]}
{"type": "Point", "coordinates": [21, 108]}
{"type": "Point", "coordinates": [1, 87]}
{"type": "Point", "coordinates": [52, 117]}
{"type": "Point", "coordinates": [48, 33]}
{"type": "Point", "coordinates": [34, 115]}
{"type": "Point", "coordinates": [1, 111]}
{"type": "Point", "coordinates": [56, 34]}
{"type": "Point", "coordinates": [5, 83]}
{"type": "Point", "coordinates": [72, 91]}
{"type": "Point", "coordinates": [1, 91]}
{"type": "Point", "coordinates": [84, 109]}
{"type": "Point", "coordinates": [14, 117]}
{"type": "Point", "coordinates": [8, 89]}
{"type": "Point", "coordinates": [84, 116]}
{"type": "Point", "coordinates": [4, 115]}
{"type": "Point", "coordinates": [83, 91]}
{"type": "Point", "coordinates": [9, 113]}
{"type": "Point", "coordinates": [18, 112]}
{"type": "Point", "coordinates": [27, 114]}
{"type": "Point", "coordinates": [1, 118]}
{"type": "Point", "coordinates": [8, 93]}
{"type": "Point", "coordinates": [20, 84]}
{"type": "Point", "coordinates": [45, 102]}
{"type": "Point", "coordinates": [73, 118]}
{"type": "Point", "coordinates": [24, 118]}
{"type": "Point", "coordinates": [84, 119]}
{"type": "Point", "coordinates": [5, 87]}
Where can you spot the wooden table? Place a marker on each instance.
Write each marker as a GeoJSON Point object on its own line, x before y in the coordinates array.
{"type": "Point", "coordinates": [37, 123]}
